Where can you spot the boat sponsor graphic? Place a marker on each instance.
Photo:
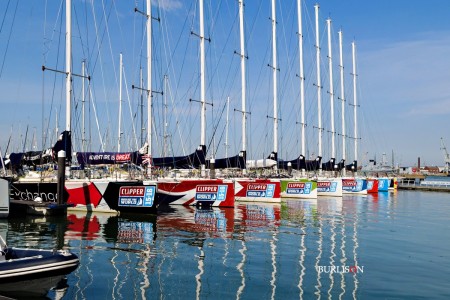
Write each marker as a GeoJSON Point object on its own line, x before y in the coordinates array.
{"type": "Point", "coordinates": [122, 157]}
{"type": "Point", "coordinates": [383, 184]}
{"type": "Point", "coordinates": [301, 188]}
{"type": "Point", "coordinates": [30, 191]}
{"type": "Point", "coordinates": [261, 190]}
{"type": "Point", "coordinates": [96, 158]}
{"type": "Point", "coordinates": [210, 192]}
{"type": "Point", "coordinates": [137, 196]}
{"type": "Point", "coordinates": [349, 183]}
{"type": "Point", "coordinates": [326, 186]}
{"type": "Point", "coordinates": [370, 184]}
{"type": "Point", "coordinates": [352, 185]}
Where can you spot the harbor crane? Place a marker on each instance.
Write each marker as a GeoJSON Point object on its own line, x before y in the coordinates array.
{"type": "Point", "coordinates": [446, 156]}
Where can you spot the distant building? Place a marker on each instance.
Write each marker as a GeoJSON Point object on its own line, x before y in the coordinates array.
{"type": "Point", "coordinates": [427, 170]}
{"type": "Point", "coordinates": [430, 170]}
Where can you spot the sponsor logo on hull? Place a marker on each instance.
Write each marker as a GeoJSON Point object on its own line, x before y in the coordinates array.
{"type": "Point", "coordinates": [299, 188]}
{"type": "Point", "coordinates": [352, 185]}
{"type": "Point", "coordinates": [137, 196]}
{"type": "Point", "coordinates": [211, 192]}
{"type": "Point", "coordinates": [261, 190]}
{"type": "Point", "coordinates": [326, 186]}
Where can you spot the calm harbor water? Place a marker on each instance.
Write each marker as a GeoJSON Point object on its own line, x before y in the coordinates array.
{"type": "Point", "coordinates": [385, 246]}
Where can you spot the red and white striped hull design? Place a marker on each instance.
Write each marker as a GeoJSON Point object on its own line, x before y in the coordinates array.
{"type": "Point", "coordinates": [258, 190]}
{"type": "Point", "coordinates": [208, 192]}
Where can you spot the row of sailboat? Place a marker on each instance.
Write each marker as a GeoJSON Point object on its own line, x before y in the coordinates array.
{"type": "Point", "coordinates": [304, 179]}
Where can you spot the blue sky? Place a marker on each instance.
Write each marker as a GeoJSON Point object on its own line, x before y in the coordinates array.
{"type": "Point", "coordinates": [402, 57]}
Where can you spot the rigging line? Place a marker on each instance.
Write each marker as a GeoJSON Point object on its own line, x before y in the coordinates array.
{"type": "Point", "coordinates": [99, 58]}
{"type": "Point", "coordinates": [48, 41]}
{"type": "Point", "coordinates": [131, 111]}
{"type": "Point", "coordinates": [87, 33]}
{"type": "Point", "coordinates": [167, 47]}
{"type": "Point", "coordinates": [217, 68]}
{"type": "Point", "coordinates": [215, 127]}
{"type": "Point", "coordinates": [45, 31]}
{"type": "Point", "coordinates": [170, 63]}
{"type": "Point", "coordinates": [252, 27]}
{"type": "Point", "coordinates": [176, 118]}
{"type": "Point", "coordinates": [55, 75]}
{"type": "Point", "coordinates": [4, 16]}
{"type": "Point", "coordinates": [9, 38]}
{"type": "Point", "coordinates": [106, 18]}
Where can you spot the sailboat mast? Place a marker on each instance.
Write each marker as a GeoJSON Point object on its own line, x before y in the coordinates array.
{"type": "Point", "coordinates": [227, 123]}
{"type": "Point", "coordinates": [341, 66]}
{"type": "Point", "coordinates": [243, 84]}
{"type": "Point", "coordinates": [83, 110]}
{"type": "Point", "coordinates": [120, 103]}
{"type": "Point", "coordinates": [330, 66]}
{"type": "Point", "coordinates": [302, 74]}
{"type": "Point", "coordinates": [202, 76]}
{"type": "Point", "coordinates": [149, 77]}
{"type": "Point", "coordinates": [165, 116]}
{"type": "Point", "coordinates": [68, 63]}
{"type": "Point", "coordinates": [319, 83]}
{"type": "Point", "coordinates": [355, 103]}
{"type": "Point", "coordinates": [141, 80]}
{"type": "Point", "coordinates": [274, 74]}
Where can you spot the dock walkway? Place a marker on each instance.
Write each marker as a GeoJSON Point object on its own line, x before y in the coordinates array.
{"type": "Point", "coordinates": [425, 185]}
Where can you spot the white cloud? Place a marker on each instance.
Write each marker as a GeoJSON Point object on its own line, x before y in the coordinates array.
{"type": "Point", "coordinates": [405, 88]}
{"type": "Point", "coordinates": [168, 5]}
{"type": "Point", "coordinates": [411, 76]}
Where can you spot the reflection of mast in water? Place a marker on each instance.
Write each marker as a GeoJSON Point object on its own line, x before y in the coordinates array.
{"type": "Point", "coordinates": [333, 246]}
{"type": "Point", "coordinates": [240, 268]}
{"type": "Point", "coordinates": [355, 258]}
{"type": "Point", "coordinates": [273, 252]}
{"type": "Point", "coordinates": [198, 277]}
{"type": "Point", "coordinates": [344, 258]}
{"type": "Point", "coordinates": [265, 216]}
{"type": "Point", "coordinates": [84, 228]}
{"type": "Point", "coordinates": [302, 260]}
{"type": "Point", "coordinates": [301, 212]}
{"type": "Point", "coordinates": [319, 256]}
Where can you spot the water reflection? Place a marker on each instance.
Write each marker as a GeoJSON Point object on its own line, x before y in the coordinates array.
{"type": "Point", "coordinates": [245, 247]}
{"type": "Point", "coordinates": [37, 233]}
{"type": "Point", "coordinates": [328, 245]}
{"type": "Point", "coordinates": [254, 250]}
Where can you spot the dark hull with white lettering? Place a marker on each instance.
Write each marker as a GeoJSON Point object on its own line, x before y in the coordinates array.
{"type": "Point", "coordinates": [94, 195]}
